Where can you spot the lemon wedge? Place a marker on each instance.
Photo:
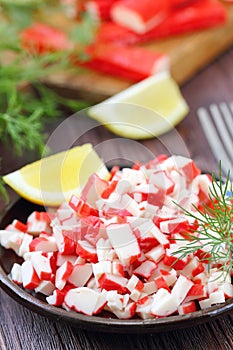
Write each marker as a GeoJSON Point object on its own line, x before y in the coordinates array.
{"type": "Point", "coordinates": [52, 180]}
{"type": "Point", "coordinates": [144, 110]}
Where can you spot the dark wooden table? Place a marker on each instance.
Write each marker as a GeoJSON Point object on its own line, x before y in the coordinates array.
{"type": "Point", "coordinates": [23, 329]}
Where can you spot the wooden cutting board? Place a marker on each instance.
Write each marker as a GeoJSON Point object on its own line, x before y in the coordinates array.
{"type": "Point", "coordinates": [188, 54]}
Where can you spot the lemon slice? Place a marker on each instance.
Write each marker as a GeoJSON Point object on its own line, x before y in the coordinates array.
{"type": "Point", "coordinates": [52, 180]}
{"type": "Point", "coordinates": [144, 110]}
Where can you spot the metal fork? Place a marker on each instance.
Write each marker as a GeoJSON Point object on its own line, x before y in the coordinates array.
{"type": "Point", "coordinates": [217, 124]}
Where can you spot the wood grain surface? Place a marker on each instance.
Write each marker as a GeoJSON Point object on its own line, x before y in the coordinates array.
{"type": "Point", "coordinates": [29, 331]}
{"type": "Point", "coordinates": [188, 54]}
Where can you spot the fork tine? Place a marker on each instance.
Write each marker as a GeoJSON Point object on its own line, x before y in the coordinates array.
{"type": "Point", "coordinates": [214, 140]}
{"type": "Point", "coordinates": [231, 107]}
{"type": "Point", "coordinates": [221, 127]}
{"type": "Point", "coordinates": [227, 113]}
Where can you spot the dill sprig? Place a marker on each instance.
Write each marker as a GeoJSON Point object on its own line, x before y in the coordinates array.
{"type": "Point", "coordinates": [26, 103]}
{"type": "Point", "coordinates": [214, 233]}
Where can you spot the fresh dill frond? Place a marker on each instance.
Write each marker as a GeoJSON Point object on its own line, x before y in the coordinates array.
{"type": "Point", "coordinates": [26, 103]}
{"type": "Point", "coordinates": [214, 233]}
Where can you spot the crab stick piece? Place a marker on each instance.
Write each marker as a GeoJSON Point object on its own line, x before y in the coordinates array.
{"type": "Point", "coordinates": [124, 242]}
{"type": "Point", "coordinates": [85, 300]}
{"type": "Point", "coordinates": [62, 274]}
{"type": "Point", "coordinates": [80, 274]}
{"type": "Point", "coordinates": [187, 308]}
{"type": "Point", "coordinates": [43, 243]}
{"type": "Point", "coordinates": [30, 278]}
{"type": "Point", "coordinates": [16, 274]}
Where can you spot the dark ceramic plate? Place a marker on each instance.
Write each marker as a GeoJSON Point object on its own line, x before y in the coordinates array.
{"type": "Point", "coordinates": [105, 323]}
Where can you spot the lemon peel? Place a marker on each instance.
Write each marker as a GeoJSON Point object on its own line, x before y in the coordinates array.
{"type": "Point", "coordinates": [144, 110]}
{"type": "Point", "coordinates": [53, 179]}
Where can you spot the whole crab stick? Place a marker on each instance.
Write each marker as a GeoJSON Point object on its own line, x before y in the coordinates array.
{"type": "Point", "coordinates": [139, 16]}
{"type": "Point", "coordinates": [196, 16]}
{"type": "Point", "coordinates": [126, 62]}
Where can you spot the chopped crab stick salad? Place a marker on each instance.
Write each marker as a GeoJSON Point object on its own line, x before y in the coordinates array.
{"type": "Point", "coordinates": [113, 248]}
